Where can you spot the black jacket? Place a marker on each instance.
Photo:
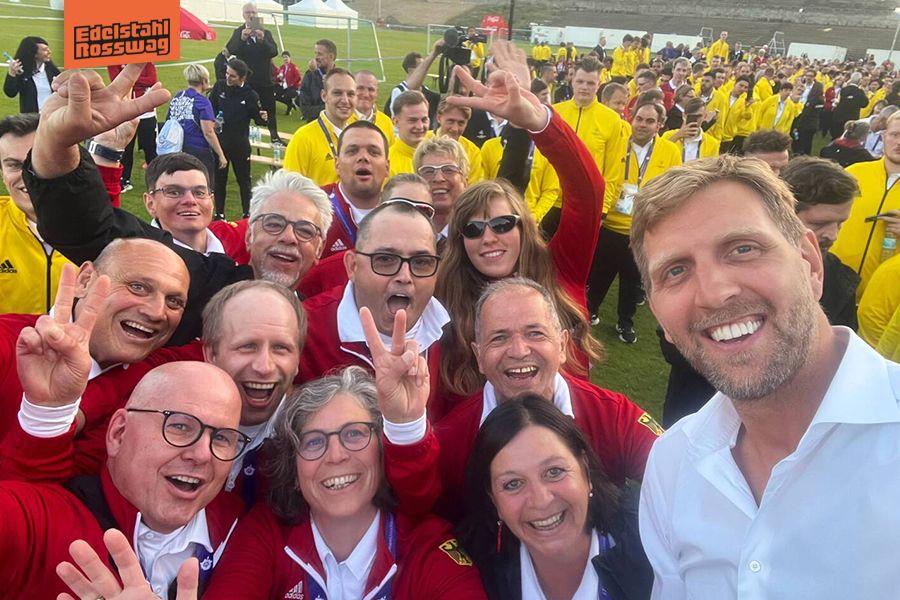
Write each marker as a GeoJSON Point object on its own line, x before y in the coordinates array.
{"type": "Point", "coordinates": [853, 100]}
{"type": "Point", "coordinates": [23, 85]}
{"type": "Point", "coordinates": [74, 212]}
{"type": "Point", "coordinates": [258, 55]}
{"type": "Point", "coordinates": [815, 101]}
{"type": "Point", "coordinates": [839, 292]}
{"type": "Point", "coordinates": [310, 94]}
{"type": "Point", "coordinates": [238, 106]}
{"type": "Point", "coordinates": [624, 570]}
{"type": "Point", "coordinates": [846, 156]}
{"type": "Point", "coordinates": [478, 129]}
{"type": "Point", "coordinates": [562, 93]}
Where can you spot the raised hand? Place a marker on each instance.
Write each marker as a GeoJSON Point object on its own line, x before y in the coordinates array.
{"type": "Point", "coordinates": [98, 581]}
{"type": "Point", "coordinates": [53, 357]}
{"type": "Point", "coordinates": [511, 58]}
{"type": "Point", "coordinates": [502, 97]}
{"type": "Point", "coordinates": [401, 373]}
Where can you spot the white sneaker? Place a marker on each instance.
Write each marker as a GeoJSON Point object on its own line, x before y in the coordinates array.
{"type": "Point", "coordinates": [595, 320]}
{"type": "Point", "coordinates": [127, 187]}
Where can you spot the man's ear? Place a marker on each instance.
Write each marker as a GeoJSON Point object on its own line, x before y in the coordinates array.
{"type": "Point", "coordinates": [209, 353]}
{"type": "Point", "coordinates": [322, 94]}
{"type": "Point", "coordinates": [812, 254]}
{"type": "Point", "coordinates": [150, 204]}
{"type": "Point", "coordinates": [86, 274]}
{"type": "Point", "coordinates": [477, 356]}
{"type": "Point", "coordinates": [115, 432]}
{"type": "Point", "coordinates": [350, 263]}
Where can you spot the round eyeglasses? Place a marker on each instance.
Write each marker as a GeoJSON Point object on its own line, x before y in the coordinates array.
{"type": "Point", "coordinates": [182, 430]}
{"type": "Point", "coordinates": [353, 436]}
{"type": "Point", "coordinates": [274, 224]}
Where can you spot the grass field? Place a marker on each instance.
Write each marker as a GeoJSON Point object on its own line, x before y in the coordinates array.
{"type": "Point", "coordinates": [637, 370]}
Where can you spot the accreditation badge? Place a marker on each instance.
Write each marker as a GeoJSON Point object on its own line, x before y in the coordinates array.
{"type": "Point", "coordinates": [625, 203]}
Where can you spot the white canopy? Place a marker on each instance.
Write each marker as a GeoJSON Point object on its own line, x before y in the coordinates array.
{"type": "Point", "coordinates": [315, 13]}
{"type": "Point", "coordinates": [230, 10]}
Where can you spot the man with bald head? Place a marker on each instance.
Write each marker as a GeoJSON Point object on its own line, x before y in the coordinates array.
{"type": "Point", "coordinates": [144, 306]}
{"type": "Point", "coordinates": [161, 482]}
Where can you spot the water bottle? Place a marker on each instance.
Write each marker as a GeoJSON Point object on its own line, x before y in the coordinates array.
{"type": "Point", "coordinates": [888, 246]}
{"type": "Point", "coordinates": [220, 121]}
{"type": "Point", "coordinates": [254, 134]}
{"type": "Point", "coordinates": [277, 151]}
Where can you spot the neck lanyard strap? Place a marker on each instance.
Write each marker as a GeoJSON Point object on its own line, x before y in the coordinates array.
{"type": "Point", "coordinates": [328, 137]}
{"type": "Point", "coordinates": [644, 163]}
{"type": "Point", "coordinates": [343, 217]}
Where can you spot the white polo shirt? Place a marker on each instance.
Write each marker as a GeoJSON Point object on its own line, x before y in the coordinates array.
{"type": "Point", "coordinates": [827, 526]}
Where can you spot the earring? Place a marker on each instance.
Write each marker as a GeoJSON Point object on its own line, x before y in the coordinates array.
{"type": "Point", "coordinates": [499, 534]}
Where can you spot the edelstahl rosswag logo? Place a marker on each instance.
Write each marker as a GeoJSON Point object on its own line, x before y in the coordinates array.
{"type": "Point", "coordinates": [123, 39]}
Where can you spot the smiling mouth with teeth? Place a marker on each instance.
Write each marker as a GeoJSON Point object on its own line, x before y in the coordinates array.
{"type": "Point", "coordinates": [338, 483]}
{"type": "Point", "coordinates": [185, 483]}
{"type": "Point", "coordinates": [135, 329]}
{"type": "Point", "coordinates": [548, 523]}
{"type": "Point", "coordinates": [258, 390]}
{"type": "Point", "coordinates": [739, 330]}
{"type": "Point", "coordinates": [522, 372]}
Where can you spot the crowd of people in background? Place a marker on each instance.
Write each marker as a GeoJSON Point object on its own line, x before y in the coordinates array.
{"type": "Point", "coordinates": [376, 383]}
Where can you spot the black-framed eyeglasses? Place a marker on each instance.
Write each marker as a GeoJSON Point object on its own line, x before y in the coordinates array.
{"type": "Point", "coordinates": [429, 171]}
{"type": "Point", "coordinates": [353, 436]}
{"type": "Point", "coordinates": [174, 192]}
{"type": "Point", "coordinates": [274, 224]}
{"type": "Point", "coordinates": [502, 224]}
{"type": "Point", "coordinates": [389, 264]}
{"type": "Point", "coordinates": [426, 209]}
{"type": "Point", "coordinates": [182, 430]}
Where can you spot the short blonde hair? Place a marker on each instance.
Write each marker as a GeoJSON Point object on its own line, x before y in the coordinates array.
{"type": "Point", "coordinates": [667, 193]}
{"type": "Point", "coordinates": [195, 74]}
{"type": "Point", "coordinates": [442, 145]}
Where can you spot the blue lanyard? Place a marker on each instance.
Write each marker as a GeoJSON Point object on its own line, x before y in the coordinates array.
{"type": "Point", "coordinates": [343, 218]}
{"type": "Point", "coordinates": [602, 592]}
{"type": "Point", "coordinates": [390, 532]}
{"type": "Point", "coordinates": [249, 481]}
{"type": "Point", "coordinates": [327, 137]}
{"type": "Point", "coordinates": [643, 167]}
{"type": "Point", "coordinates": [205, 560]}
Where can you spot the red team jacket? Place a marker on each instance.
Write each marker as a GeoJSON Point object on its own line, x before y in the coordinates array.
{"type": "Point", "coordinates": [233, 234]}
{"type": "Point", "coordinates": [269, 559]}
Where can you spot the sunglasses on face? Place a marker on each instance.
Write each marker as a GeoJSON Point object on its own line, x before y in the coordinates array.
{"type": "Point", "coordinates": [503, 224]}
{"type": "Point", "coordinates": [274, 224]}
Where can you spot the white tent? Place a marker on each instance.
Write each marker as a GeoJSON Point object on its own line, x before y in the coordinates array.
{"type": "Point", "coordinates": [342, 10]}
{"type": "Point", "coordinates": [315, 13]}
{"type": "Point", "coordinates": [230, 10]}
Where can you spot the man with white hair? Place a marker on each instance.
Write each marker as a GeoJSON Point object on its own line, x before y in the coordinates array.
{"type": "Point", "coordinates": [877, 124]}
{"type": "Point", "coordinates": [288, 212]}
{"type": "Point", "coordinates": [852, 100]}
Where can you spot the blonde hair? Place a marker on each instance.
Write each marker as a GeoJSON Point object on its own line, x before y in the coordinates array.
{"type": "Point", "coordinates": [669, 192]}
{"type": "Point", "coordinates": [195, 74]}
{"type": "Point", "coordinates": [442, 145]}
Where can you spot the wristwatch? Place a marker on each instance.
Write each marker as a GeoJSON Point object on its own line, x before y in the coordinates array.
{"type": "Point", "coordinates": [105, 151]}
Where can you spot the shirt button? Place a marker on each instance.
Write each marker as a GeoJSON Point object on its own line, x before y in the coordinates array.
{"type": "Point", "coordinates": [755, 566]}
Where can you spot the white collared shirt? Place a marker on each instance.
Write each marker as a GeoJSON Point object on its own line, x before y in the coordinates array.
{"type": "Point", "coordinates": [257, 434]}
{"type": "Point", "coordinates": [562, 398]}
{"type": "Point", "coordinates": [42, 85]}
{"type": "Point", "coordinates": [779, 110]}
{"type": "Point", "coordinates": [531, 586]}
{"type": "Point", "coordinates": [426, 331]}
{"type": "Point", "coordinates": [496, 124]}
{"type": "Point", "coordinates": [346, 580]}
{"type": "Point", "coordinates": [692, 148]}
{"type": "Point", "coordinates": [827, 524]}
{"type": "Point", "coordinates": [640, 152]}
{"type": "Point", "coordinates": [213, 244]}
{"type": "Point", "coordinates": [874, 144]}
{"type": "Point", "coordinates": [162, 554]}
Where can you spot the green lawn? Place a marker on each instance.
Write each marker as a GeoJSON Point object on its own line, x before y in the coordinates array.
{"type": "Point", "coordinates": [637, 370]}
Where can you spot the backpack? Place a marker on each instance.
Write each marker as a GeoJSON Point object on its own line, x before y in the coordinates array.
{"type": "Point", "coordinates": [171, 137]}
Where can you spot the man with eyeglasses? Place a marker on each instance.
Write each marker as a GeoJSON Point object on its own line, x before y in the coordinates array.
{"type": "Point", "coordinates": [389, 274]}
{"type": "Point", "coordinates": [442, 162]}
{"type": "Point", "coordinates": [284, 234]}
{"type": "Point", "coordinates": [169, 450]}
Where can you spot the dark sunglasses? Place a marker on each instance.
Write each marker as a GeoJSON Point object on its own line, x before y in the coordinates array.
{"type": "Point", "coordinates": [503, 224]}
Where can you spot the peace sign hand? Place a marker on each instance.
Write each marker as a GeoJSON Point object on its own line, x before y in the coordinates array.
{"type": "Point", "coordinates": [401, 373]}
{"type": "Point", "coordinates": [98, 581]}
{"type": "Point", "coordinates": [53, 357]}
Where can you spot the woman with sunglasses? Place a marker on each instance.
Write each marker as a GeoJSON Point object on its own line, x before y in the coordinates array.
{"type": "Point", "coordinates": [491, 234]}
{"type": "Point", "coordinates": [328, 529]}
{"type": "Point", "coordinates": [543, 520]}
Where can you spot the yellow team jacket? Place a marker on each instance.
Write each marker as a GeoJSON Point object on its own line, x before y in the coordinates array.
{"type": "Point", "coordinates": [874, 198]}
{"type": "Point", "coordinates": [874, 99]}
{"type": "Point", "coordinates": [889, 344]}
{"type": "Point", "coordinates": [401, 156]}
{"type": "Point", "coordinates": [664, 156]}
{"type": "Point", "coordinates": [312, 154]}
{"type": "Point", "coordinates": [718, 48]}
{"type": "Point", "coordinates": [709, 146]}
{"type": "Point", "coordinates": [763, 89]}
{"type": "Point", "coordinates": [536, 52]}
{"type": "Point", "coordinates": [736, 118]}
{"type": "Point", "coordinates": [29, 274]}
{"type": "Point", "coordinates": [622, 63]}
{"type": "Point", "coordinates": [543, 191]}
{"type": "Point", "coordinates": [561, 54]}
{"type": "Point", "coordinates": [767, 110]}
{"type": "Point", "coordinates": [600, 128]}
{"type": "Point", "coordinates": [718, 102]}
{"type": "Point", "coordinates": [384, 123]}
{"type": "Point", "coordinates": [546, 53]}
{"type": "Point", "coordinates": [477, 53]}
{"type": "Point", "coordinates": [880, 301]}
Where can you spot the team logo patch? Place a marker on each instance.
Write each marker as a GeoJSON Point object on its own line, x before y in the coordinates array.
{"type": "Point", "coordinates": [7, 267]}
{"type": "Point", "coordinates": [296, 592]}
{"type": "Point", "coordinates": [651, 424]}
{"type": "Point", "coordinates": [452, 549]}
{"type": "Point", "coordinates": [338, 245]}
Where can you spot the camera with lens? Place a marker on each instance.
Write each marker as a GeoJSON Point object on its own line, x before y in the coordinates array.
{"type": "Point", "coordinates": [455, 49]}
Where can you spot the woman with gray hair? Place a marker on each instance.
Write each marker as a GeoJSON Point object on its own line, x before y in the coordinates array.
{"type": "Point", "coordinates": [194, 112]}
{"type": "Point", "coordinates": [849, 149]}
{"type": "Point", "coordinates": [328, 529]}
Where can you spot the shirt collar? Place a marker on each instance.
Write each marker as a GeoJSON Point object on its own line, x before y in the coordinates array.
{"type": "Point", "coordinates": [426, 331]}
{"type": "Point", "coordinates": [195, 532]}
{"type": "Point", "coordinates": [360, 560]}
{"type": "Point", "coordinates": [562, 398]}
{"type": "Point", "coordinates": [531, 587]}
{"type": "Point", "coordinates": [213, 243]}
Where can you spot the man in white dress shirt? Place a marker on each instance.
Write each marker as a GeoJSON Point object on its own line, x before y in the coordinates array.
{"type": "Point", "coordinates": [785, 484]}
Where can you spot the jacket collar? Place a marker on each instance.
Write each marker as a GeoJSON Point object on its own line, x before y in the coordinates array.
{"type": "Point", "coordinates": [562, 398]}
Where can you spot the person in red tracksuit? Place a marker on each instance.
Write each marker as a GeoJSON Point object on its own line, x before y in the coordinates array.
{"type": "Point", "coordinates": [146, 129]}
{"type": "Point", "coordinates": [492, 235]}
{"type": "Point", "coordinates": [520, 348]}
{"type": "Point", "coordinates": [388, 273]}
{"type": "Point", "coordinates": [328, 529]}
{"type": "Point", "coordinates": [159, 486]}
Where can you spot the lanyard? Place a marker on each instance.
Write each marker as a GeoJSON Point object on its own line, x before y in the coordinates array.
{"type": "Point", "coordinates": [328, 137]}
{"type": "Point", "coordinates": [343, 218]}
{"type": "Point", "coordinates": [390, 533]}
{"type": "Point", "coordinates": [602, 592]}
{"type": "Point", "coordinates": [249, 483]}
{"type": "Point", "coordinates": [887, 190]}
{"type": "Point", "coordinates": [643, 168]}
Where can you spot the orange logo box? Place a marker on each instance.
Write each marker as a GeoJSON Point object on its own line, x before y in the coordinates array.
{"type": "Point", "coordinates": [100, 33]}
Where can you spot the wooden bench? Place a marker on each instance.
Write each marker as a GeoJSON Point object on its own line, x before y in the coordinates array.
{"type": "Point", "coordinates": [267, 160]}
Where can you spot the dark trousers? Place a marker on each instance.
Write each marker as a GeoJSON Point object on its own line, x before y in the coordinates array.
{"type": "Point", "coordinates": [238, 154]}
{"type": "Point", "coordinates": [209, 160]}
{"type": "Point", "coordinates": [612, 257]}
{"type": "Point", "coordinates": [735, 146]}
{"type": "Point", "coordinates": [550, 222]}
{"type": "Point", "coordinates": [267, 102]}
{"type": "Point", "coordinates": [803, 139]}
{"type": "Point", "coordinates": [146, 141]}
{"type": "Point", "coordinates": [285, 96]}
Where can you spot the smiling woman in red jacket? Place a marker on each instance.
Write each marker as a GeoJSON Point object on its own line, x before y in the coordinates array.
{"type": "Point", "coordinates": [328, 530]}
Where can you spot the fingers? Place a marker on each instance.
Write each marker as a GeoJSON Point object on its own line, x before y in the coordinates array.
{"type": "Point", "coordinates": [65, 294]}
{"type": "Point", "coordinates": [188, 580]}
{"type": "Point", "coordinates": [122, 85]}
{"type": "Point", "coordinates": [120, 550]}
{"type": "Point", "coordinates": [472, 84]}
{"type": "Point", "coordinates": [151, 99]}
{"type": "Point", "coordinates": [398, 337]}
{"type": "Point", "coordinates": [98, 575]}
{"type": "Point", "coordinates": [29, 342]}
{"type": "Point", "coordinates": [373, 339]}
{"type": "Point", "coordinates": [77, 582]}
{"type": "Point", "coordinates": [79, 91]}
{"type": "Point", "coordinates": [92, 304]}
